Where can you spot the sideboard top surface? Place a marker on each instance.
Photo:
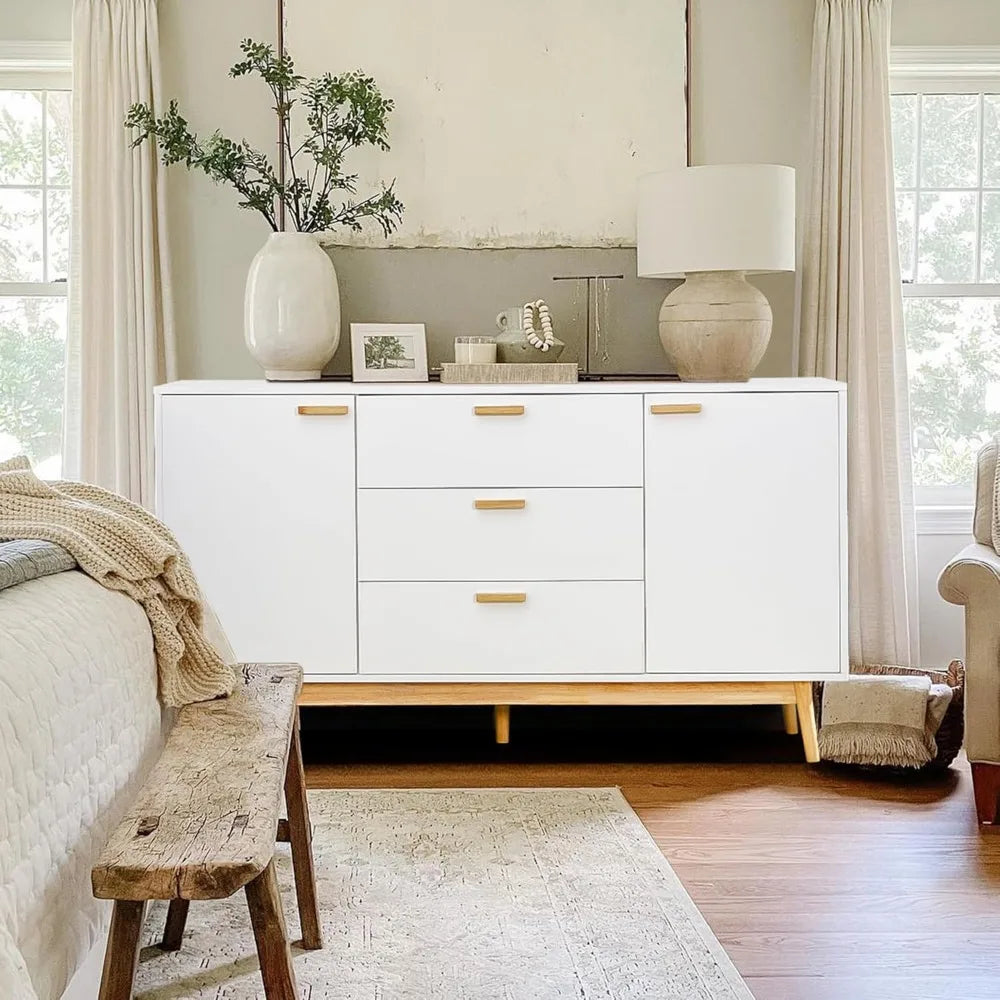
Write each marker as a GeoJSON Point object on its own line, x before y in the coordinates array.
{"type": "Point", "coordinates": [254, 387]}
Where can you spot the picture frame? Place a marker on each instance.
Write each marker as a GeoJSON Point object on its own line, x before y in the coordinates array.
{"type": "Point", "coordinates": [388, 352]}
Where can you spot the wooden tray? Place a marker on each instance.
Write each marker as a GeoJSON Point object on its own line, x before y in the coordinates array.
{"type": "Point", "coordinates": [500, 374]}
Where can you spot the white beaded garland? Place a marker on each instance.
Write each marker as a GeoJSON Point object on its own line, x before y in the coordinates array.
{"type": "Point", "coordinates": [547, 338]}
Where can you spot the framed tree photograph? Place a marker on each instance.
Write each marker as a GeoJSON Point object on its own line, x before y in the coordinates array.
{"type": "Point", "coordinates": [388, 352]}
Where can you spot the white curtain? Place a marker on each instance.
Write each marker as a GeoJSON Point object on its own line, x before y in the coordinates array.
{"type": "Point", "coordinates": [121, 339]}
{"type": "Point", "coordinates": [851, 321]}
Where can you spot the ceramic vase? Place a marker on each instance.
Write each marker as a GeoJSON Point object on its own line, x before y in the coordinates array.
{"type": "Point", "coordinates": [513, 347]}
{"type": "Point", "coordinates": [292, 308]}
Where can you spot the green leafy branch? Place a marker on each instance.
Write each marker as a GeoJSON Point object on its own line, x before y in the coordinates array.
{"type": "Point", "coordinates": [342, 113]}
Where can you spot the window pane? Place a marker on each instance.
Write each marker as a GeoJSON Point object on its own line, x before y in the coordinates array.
{"type": "Point", "coordinates": [20, 137]}
{"type": "Point", "coordinates": [949, 141]}
{"type": "Point", "coordinates": [991, 140]}
{"type": "Point", "coordinates": [947, 237]}
{"type": "Point", "coordinates": [58, 248]}
{"type": "Point", "coordinates": [905, 211]}
{"type": "Point", "coordinates": [990, 263]}
{"type": "Point", "coordinates": [32, 343]}
{"type": "Point", "coordinates": [20, 235]}
{"type": "Point", "coordinates": [59, 147]}
{"type": "Point", "coordinates": [954, 366]}
{"type": "Point", "coordinates": [904, 139]}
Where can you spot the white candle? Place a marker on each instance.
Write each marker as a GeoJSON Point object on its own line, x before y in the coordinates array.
{"type": "Point", "coordinates": [475, 351]}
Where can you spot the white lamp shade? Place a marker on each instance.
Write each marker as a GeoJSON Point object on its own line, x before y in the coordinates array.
{"type": "Point", "coordinates": [732, 217]}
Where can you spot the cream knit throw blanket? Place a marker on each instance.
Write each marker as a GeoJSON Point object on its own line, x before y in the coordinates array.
{"type": "Point", "coordinates": [124, 548]}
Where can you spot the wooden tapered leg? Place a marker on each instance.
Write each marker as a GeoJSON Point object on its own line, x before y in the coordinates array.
{"type": "Point", "coordinates": [791, 717]}
{"type": "Point", "coordinates": [986, 785]}
{"type": "Point", "coordinates": [173, 930]}
{"type": "Point", "coordinates": [122, 955]}
{"type": "Point", "coordinates": [300, 837]}
{"type": "Point", "coordinates": [807, 720]}
{"type": "Point", "coordinates": [501, 723]}
{"type": "Point", "coordinates": [264, 902]}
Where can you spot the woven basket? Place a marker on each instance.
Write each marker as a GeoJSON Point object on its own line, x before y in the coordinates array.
{"type": "Point", "coordinates": [949, 737]}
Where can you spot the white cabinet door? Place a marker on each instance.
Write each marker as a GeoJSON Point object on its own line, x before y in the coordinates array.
{"type": "Point", "coordinates": [262, 498]}
{"type": "Point", "coordinates": [743, 534]}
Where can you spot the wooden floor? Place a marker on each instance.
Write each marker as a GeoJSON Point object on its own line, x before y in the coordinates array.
{"type": "Point", "coordinates": [820, 885]}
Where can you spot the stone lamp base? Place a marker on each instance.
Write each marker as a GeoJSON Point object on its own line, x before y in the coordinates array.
{"type": "Point", "coordinates": [715, 327]}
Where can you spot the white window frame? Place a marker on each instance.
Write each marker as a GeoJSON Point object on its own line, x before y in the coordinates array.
{"type": "Point", "coordinates": [35, 66]}
{"type": "Point", "coordinates": [946, 70]}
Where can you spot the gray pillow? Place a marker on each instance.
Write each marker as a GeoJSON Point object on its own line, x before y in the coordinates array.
{"type": "Point", "coordinates": [29, 559]}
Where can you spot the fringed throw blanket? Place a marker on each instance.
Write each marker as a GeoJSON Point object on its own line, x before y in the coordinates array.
{"type": "Point", "coordinates": [884, 720]}
{"type": "Point", "coordinates": [124, 548]}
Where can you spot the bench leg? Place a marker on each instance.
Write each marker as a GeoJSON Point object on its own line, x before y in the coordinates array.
{"type": "Point", "coordinates": [122, 955]}
{"type": "Point", "coordinates": [177, 916]}
{"type": "Point", "coordinates": [300, 835]}
{"type": "Point", "coordinates": [268, 921]}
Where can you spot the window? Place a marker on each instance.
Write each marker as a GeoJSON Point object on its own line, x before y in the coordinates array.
{"type": "Point", "coordinates": [946, 144]}
{"type": "Point", "coordinates": [35, 148]}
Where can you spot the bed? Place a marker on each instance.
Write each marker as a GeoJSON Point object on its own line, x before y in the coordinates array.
{"type": "Point", "coordinates": [79, 726]}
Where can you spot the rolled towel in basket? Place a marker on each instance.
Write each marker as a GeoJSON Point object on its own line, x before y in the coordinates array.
{"type": "Point", "coordinates": [887, 720]}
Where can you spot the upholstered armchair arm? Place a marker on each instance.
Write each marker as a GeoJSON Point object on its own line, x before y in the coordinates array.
{"type": "Point", "coordinates": [972, 579]}
{"type": "Point", "coordinates": [971, 573]}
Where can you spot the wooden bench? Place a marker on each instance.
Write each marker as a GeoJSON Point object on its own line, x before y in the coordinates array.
{"type": "Point", "coordinates": [205, 824]}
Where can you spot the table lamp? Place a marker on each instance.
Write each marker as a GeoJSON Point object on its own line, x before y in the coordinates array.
{"type": "Point", "coordinates": [711, 226]}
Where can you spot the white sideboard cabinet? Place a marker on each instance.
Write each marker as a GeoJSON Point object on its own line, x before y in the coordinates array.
{"type": "Point", "coordinates": [600, 543]}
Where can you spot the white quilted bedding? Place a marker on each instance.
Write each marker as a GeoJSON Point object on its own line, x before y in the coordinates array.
{"type": "Point", "coordinates": [79, 725]}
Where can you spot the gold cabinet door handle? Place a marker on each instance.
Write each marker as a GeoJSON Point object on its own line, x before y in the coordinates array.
{"type": "Point", "coordinates": [323, 411]}
{"type": "Point", "coordinates": [501, 598]}
{"type": "Point", "coordinates": [500, 504]}
{"type": "Point", "coordinates": [499, 411]}
{"type": "Point", "coordinates": [658, 408]}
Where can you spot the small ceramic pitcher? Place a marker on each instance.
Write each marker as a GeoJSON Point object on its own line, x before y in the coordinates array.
{"type": "Point", "coordinates": [513, 346]}
{"type": "Point", "coordinates": [509, 320]}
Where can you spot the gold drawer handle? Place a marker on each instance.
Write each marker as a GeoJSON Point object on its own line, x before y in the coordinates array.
{"type": "Point", "coordinates": [675, 408]}
{"type": "Point", "coordinates": [499, 411]}
{"type": "Point", "coordinates": [500, 504]}
{"type": "Point", "coordinates": [501, 598]}
{"type": "Point", "coordinates": [323, 411]}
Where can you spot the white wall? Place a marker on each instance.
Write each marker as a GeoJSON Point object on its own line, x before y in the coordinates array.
{"type": "Point", "coordinates": [750, 100]}
{"type": "Point", "coordinates": [942, 632]}
{"type": "Point", "coordinates": [212, 240]}
{"type": "Point", "coordinates": [946, 22]}
{"type": "Point", "coordinates": [35, 20]}
{"type": "Point", "coordinates": [749, 83]}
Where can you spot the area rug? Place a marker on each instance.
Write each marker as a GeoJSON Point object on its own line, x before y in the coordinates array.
{"type": "Point", "coordinates": [499, 894]}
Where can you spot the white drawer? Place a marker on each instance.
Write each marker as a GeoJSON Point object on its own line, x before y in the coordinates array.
{"type": "Point", "coordinates": [567, 534]}
{"type": "Point", "coordinates": [559, 628]}
{"type": "Point", "coordinates": [501, 441]}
